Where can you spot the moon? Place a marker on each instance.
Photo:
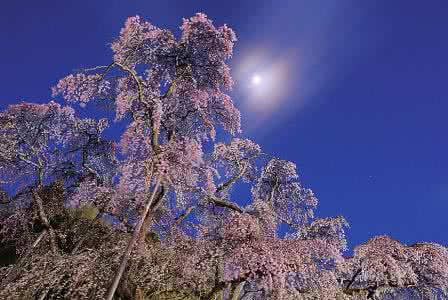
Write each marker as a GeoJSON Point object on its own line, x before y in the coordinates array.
{"type": "Point", "coordinates": [256, 79]}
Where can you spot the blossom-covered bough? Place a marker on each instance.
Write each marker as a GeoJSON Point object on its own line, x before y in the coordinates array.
{"type": "Point", "coordinates": [159, 220]}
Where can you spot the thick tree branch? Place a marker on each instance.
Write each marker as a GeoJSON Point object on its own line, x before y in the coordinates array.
{"type": "Point", "coordinates": [226, 204]}
{"type": "Point", "coordinates": [232, 180]}
{"type": "Point", "coordinates": [184, 215]}
{"type": "Point", "coordinates": [243, 170]}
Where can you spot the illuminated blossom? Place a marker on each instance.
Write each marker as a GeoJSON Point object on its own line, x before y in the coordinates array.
{"type": "Point", "coordinates": [81, 87]}
{"type": "Point", "coordinates": [279, 186]}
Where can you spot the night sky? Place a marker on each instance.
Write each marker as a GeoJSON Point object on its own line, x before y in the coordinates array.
{"type": "Point", "coordinates": [355, 92]}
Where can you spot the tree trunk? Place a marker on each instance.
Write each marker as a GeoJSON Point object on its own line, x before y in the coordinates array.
{"type": "Point", "coordinates": [149, 217]}
{"type": "Point", "coordinates": [235, 290]}
{"type": "Point", "coordinates": [44, 220]}
{"type": "Point", "coordinates": [215, 293]}
{"type": "Point", "coordinates": [131, 244]}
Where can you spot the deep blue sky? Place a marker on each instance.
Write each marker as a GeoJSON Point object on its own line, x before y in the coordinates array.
{"type": "Point", "coordinates": [363, 102]}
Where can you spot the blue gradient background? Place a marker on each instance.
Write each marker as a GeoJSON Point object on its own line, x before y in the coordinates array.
{"type": "Point", "coordinates": [363, 105]}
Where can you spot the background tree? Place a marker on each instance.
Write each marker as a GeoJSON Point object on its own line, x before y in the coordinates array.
{"type": "Point", "coordinates": [161, 222]}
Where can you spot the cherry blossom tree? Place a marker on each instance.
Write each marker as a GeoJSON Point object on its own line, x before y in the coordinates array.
{"type": "Point", "coordinates": [160, 220]}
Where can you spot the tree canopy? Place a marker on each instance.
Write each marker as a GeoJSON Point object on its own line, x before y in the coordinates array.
{"type": "Point", "coordinates": [153, 214]}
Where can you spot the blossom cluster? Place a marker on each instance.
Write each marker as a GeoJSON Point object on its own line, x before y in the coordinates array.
{"type": "Point", "coordinates": [279, 186]}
